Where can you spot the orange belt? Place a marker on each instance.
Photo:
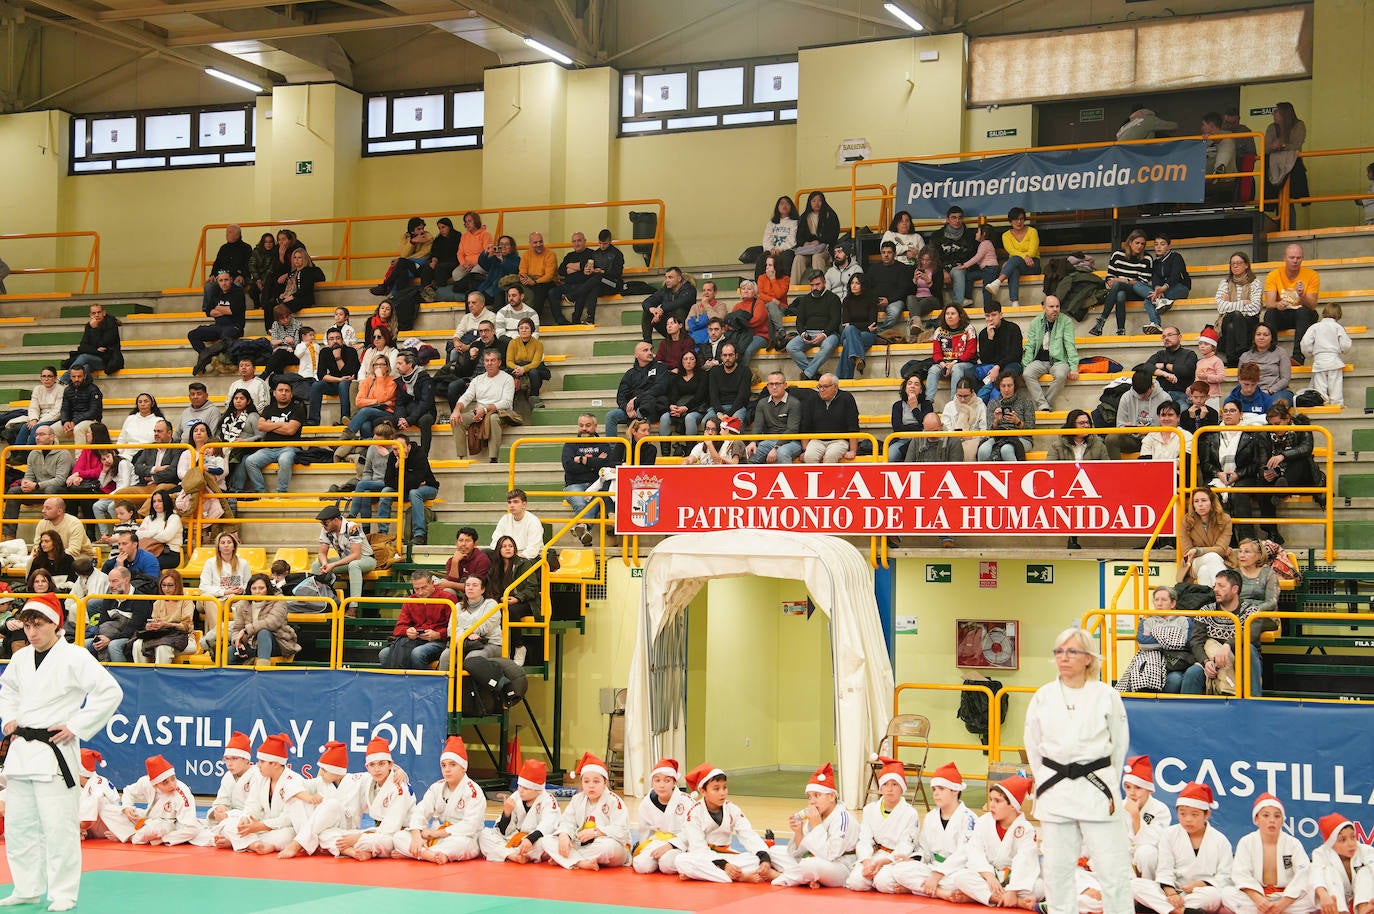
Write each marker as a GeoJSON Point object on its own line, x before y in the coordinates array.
{"type": "Point", "coordinates": [721, 848]}
{"type": "Point", "coordinates": [516, 838]}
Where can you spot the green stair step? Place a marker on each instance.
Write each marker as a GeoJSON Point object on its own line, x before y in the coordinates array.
{"type": "Point", "coordinates": [1368, 399]}
{"type": "Point", "coordinates": [1354, 534]}
{"type": "Point", "coordinates": [1362, 439]}
{"type": "Point", "coordinates": [25, 368]}
{"type": "Point", "coordinates": [531, 453]}
{"type": "Point", "coordinates": [630, 317]}
{"type": "Point", "coordinates": [592, 382]}
{"type": "Point", "coordinates": [614, 347]}
{"type": "Point", "coordinates": [118, 309]}
{"type": "Point", "coordinates": [1306, 641]}
{"type": "Point", "coordinates": [1355, 485]}
{"type": "Point", "coordinates": [485, 491]}
{"type": "Point", "coordinates": [556, 416]}
{"type": "Point", "coordinates": [443, 532]}
{"type": "Point", "coordinates": [1325, 669]}
{"type": "Point", "coordinates": [10, 394]}
{"type": "Point", "coordinates": [53, 338]}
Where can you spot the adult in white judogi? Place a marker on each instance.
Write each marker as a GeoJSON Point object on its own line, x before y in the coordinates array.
{"type": "Point", "coordinates": [100, 812]}
{"type": "Point", "coordinates": [1270, 865]}
{"type": "Point", "coordinates": [274, 812]}
{"type": "Point", "coordinates": [387, 799]}
{"type": "Point", "coordinates": [713, 825]}
{"type": "Point", "coordinates": [52, 695]}
{"type": "Point", "coordinates": [1194, 858]}
{"type": "Point", "coordinates": [526, 817]}
{"type": "Point", "coordinates": [169, 814]}
{"type": "Point", "coordinates": [1146, 817]}
{"type": "Point", "coordinates": [594, 830]}
{"type": "Point", "coordinates": [1002, 865]}
{"type": "Point", "coordinates": [445, 824]}
{"type": "Point", "coordinates": [887, 830]}
{"type": "Point", "coordinates": [941, 844]}
{"type": "Point", "coordinates": [231, 800]}
{"type": "Point", "coordinates": [1342, 873]}
{"type": "Point", "coordinates": [824, 837]}
{"type": "Point", "coordinates": [662, 817]}
{"type": "Point", "coordinates": [1076, 737]}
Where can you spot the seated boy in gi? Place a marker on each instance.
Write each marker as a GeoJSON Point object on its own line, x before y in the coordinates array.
{"type": "Point", "coordinates": [941, 844]}
{"type": "Point", "coordinates": [824, 836]}
{"type": "Point", "coordinates": [169, 815]}
{"type": "Point", "coordinates": [99, 809]}
{"type": "Point", "coordinates": [662, 817]}
{"type": "Point", "coordinates": [526, 817]}
{"type": "Point", "coordinates": [336, 809]}
{"type": "Point", "coordinates": [387, 799]}
{"type": "Point", "coordinates": [234, 788]}
{"type": "Point", "coordinates": [447, 821]}
{"type": "Point", "coordinates": [713, 823]}
{"type": "Point", "coordinates": [1146, 817]}
{"type": "Point", "coordinates": [1194, 859]}
{"type": "Point", "coordinates": [1342, 873]}
{"type": "Point", "coordinates": [887, 829]}
{"type": "Point", "coordinates": [1003, 866]}
{"type": "Point", "coordinates": [275, 811]}
{"type": "Point", "coordinates": [594, 830]}
{"type": "Point", "coordinates": [1271, 872]}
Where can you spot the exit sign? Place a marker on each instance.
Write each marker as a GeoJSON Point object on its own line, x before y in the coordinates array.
{"type": "Point", "coordinates": [636, 573]}
{"type": "Point", "coordinates": [305, 168]}
{"type": "Point", "coordinates": [1265, 111]}
{"type": "Point", "coordinates": [1091, 115]}
{"type": "Point", "coordinates": [1121, 571]}
{"type": "Point", "coordinates": [1005, 131]}
{"type": "Point", "coordinates": [939, 574]}
{"type": "Point", "coordinates": [1039, 574]}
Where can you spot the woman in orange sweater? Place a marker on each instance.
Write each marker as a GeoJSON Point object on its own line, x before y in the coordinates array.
{"type": "Point", "coordinates": [773, 283]}
{"type": "Point", "coordinates": [376, 400]}
{"type": "Point", "coordinates": [475, 240]}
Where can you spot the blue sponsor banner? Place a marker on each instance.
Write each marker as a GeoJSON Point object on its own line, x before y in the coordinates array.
{"type": "Point", "coordinates": [1045, 182]}
{"type": "Point", "coordinates": [1314, 757]}
{"type": "Point", "coordinates": [187, 715]}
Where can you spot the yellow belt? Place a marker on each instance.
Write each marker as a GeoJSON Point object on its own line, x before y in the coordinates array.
{"type": "Point", "coordinates": [656, 836]}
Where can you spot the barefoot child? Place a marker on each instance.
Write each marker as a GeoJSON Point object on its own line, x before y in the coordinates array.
{"type": "Point", "coordinates": [169, 814]}
{"type": "Point", "coordinates": [941, 844]}
{"type": "Point", "coordinates": [662, 817]}
{"type": "Point", "coordinates": [1270, 871]}
{"type": "Point", "coordinates": [387, 799]}
{"type": "Point", "coordinates": [235, 786]}
{"type": "Point", "coordinates": [526, 817]}
{"type": "Point", "coordinates": [1194, 859]}
{"type": "Point", "coordinates": [1003, 867]}
{"type": "Point", "coordinates": [594, 830]}
{"type": "Point", "coordinates": [447, 821]}
{"type": "Point", "coordinates": [824, 836]}
{"type": "Point", "coordinates": [1146, 818]}
{"type": "Point", "coordinates": [274, 813]}
{"type": "Point", "coordinates": [887, 830]}
{"type": "Point", "coordinates": [99, 810]}
{"type": "Point", "coordinates": [713, 823]}
{"type": "Point", "coordinates": [1342, 869]}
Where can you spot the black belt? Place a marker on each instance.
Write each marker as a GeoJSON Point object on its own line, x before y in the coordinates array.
{"type": "Point", "coordinates": [39, 735]}
{"type": "Point", "coordinates": [1075, 770]}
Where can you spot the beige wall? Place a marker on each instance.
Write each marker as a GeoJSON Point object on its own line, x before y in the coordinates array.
{"type": "Point", "coordinates": [34, 150]}
{"type": "Point", "coordinates": [978, 122]}
{"type": "Point", "coordinates": [1340, 113]}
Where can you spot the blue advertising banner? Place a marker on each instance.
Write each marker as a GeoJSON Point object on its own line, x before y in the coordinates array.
{"type": "Point", "coordinates": [1313, 757]}
{"type": "Point", "coordinates": [187, 716]}
{"type": "Point", "coordinates": [1045, 182]}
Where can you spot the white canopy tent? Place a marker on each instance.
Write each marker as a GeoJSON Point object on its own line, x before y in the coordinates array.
{"type": "Point", "coordinates": [840, 582]}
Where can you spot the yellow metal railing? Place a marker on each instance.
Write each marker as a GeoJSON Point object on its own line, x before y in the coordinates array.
{"type": "Point", "coordinates": [90, 272]}
{"type": "Point", "coordinates": [883, 215]}
{"type": "Point", "coordinates": [1286, 201]}
{"type": "Point", "coordinates": [1243, 637]}
{"type": "Point", "coordinates": [1106, 620]}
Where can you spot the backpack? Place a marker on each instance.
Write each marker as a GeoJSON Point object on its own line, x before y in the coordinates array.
{"type": "Point", "coordinates": [258, 349]}
{"type": "Point", "coordinates": [480, 698]}
{"type": "Point", "coordinates": [1104, 414]}
{"type": "Point", "coordinates": [973, 707]}
{"type": "Point", "coordinates": [383, 549]}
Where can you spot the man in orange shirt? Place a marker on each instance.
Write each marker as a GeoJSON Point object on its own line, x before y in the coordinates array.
{"type": "Point", "coordinates": [1290, 298]}
{"type": "Point", "coordinates": [538, 273]}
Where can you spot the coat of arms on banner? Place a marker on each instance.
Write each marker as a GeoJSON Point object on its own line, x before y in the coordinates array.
{"type": "Point", "coordinates": [644, 500]}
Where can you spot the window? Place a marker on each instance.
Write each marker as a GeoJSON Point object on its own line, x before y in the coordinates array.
{"type": "Point", "coordinates": [709, 96]}
{"type": "Point", "coordinates": [151, 140]}
{"type": "Point", "coordinates": [423, 120]}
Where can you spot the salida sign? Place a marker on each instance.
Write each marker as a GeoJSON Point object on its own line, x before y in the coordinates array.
{"type": "Point", "coordinates": [874, 499]}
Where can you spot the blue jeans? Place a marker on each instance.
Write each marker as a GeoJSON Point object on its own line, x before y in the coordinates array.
{"type": "Point", "coordinates": [119, 650]}
{"type": "Point", "coordinates": [25, 435]}
{"type": "Point", "coordinates": [690, 423]}
{"type": "Point", "coordinates": [755, 344]}
{"type": "Point", "coordinates": [252, 467]}
{"type": "Point", "coordinates": [334, 388]}
{"type": "Point", "coordinates": [989, 388]}
{"type": "Point", "coordinates": [1173, 682]}
{"type": "Point", "coordinates": [1117, 296]}
{"type": "Point", "coordinates": [361, 506]}
{"type": "Point", "coordinates": [1013, 270]}
{"type": "Point", "coordinates": [1195, 677]}
{"type": "Point", "coordinates": [421, 656]}
{"type": "Point", "coordinates": [92, 364]}
{"type": "Point", "coordinates": [615, 419]}
{"type": "Point", "coordinates": [788, 451]}
{"type": "Point", "coordinates": [579, 502]}
{"type": "Point", "coordinates": [797, 347]}
{"type": "Point", "coordinates": [856, 342]}
{"type": "Point", "coordinates": [367, 417]}
{"type": "Point", "coordinates": [418, 496]}
{"type": "Point", "coordinates": [961, 281]}
{"type": "Point", "coordinates": [957, 372]}
{"type": "Point", "coordinates": [1006, 450]}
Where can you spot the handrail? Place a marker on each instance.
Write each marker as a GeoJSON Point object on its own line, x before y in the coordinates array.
{"type": "Point", "coordinates": [455, 655]}
{"type": "Point", "coordinates": [1108, 617]}
{"type": "Point", "coordinates": [600, 519]}
{"type": "Point", "coordinates": [805, 192]}
{"type": "Point", "coordinates": [90, 273]}
{"type": "Point", "coordinates": [1286, 201]}
{"type": "Point", "coordinates": [334, 617]}
{"type": "Point", "coordinates": [1243, 637]}
{"type": "Point", "coordinates": [346, 255]}
{"type": "Point", "coordinates": [1327, 521]}
{"type": "Point", "coordinates": [993, 721]}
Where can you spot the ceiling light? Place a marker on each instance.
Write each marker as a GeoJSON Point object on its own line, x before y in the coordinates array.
{"type": "Point", "coordinates": [549, 52]}
{"type": "Point", "coordinates": [230, 78]}
{"type": "Point", "coordinates": [903, 15]}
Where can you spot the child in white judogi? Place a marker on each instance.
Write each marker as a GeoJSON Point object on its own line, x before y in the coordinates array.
{"type": "Point", "coordinates": [445, 824]}
{"type": "Point", "coordinates": [662, 817]}
{"type": "Point", "coordinates": [713, 823]}
{"type": "Point", "coordinates": [387, 799]}
{"type": "Point", "coordinates": [235, 786]}
{"type": "Point", "coordinates": [594, 830]}
{"type": "Point", "coordinates": [1146, 817]}
{"type": "Point", "coordinates": [99, 809]}
{"type": "Point", "coordinates": [941, 844]}
{"type": "Point", "coordinates": [1003, 868]}
{"type": "Point", "coordinates": [169, 816]}
{"type": "Point", "coordinates": [1342, 873]}
{"type": "Point", "coordinates": [526, 817]}
{"type": "Point", "coordinates": [274, 812]}
{"type": "Point", "coordinates": [1270, 865]}
{"type": "Point", "coordinates": [1194, 858]}
{"type": "Point", "coordinates": [887, 830]}
{"type": "Point", "coordinates": [824, 836]}
{"type": "Point", "coordinates": [334, 796]}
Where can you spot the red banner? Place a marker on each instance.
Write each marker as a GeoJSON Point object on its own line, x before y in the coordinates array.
{"type": "Point", "coordinates": [1041, 498]}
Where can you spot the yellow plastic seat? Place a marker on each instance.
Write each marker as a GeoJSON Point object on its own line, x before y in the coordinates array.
{"type": "Point", "coordinates": [575, 565]}
{"type": "Point", "coordinates": [298, 557]}
{"type": "Point", "coordinates": [255, 556]}
{"type": "Point", "coordinates": [196, 563]}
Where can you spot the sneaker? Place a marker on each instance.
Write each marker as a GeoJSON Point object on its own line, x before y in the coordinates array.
{"type": "Point", "coordinates": [1152, 329]}
{"type": "Point", "coordinates": [1298, 360]}
{"type": "Point", "coordinates": [1164, 304]}
{"type": "Point", "coordinates": [379, 289]}
{"type": "Point", "coordinates": [991, 288]}
{"type": "Point", "coordinates": [1120, 331]}
{"type": "Point", "coordinates": [536, 403]}
{"type": "Point", "coordinates": [1096, 330]}
{"type": "Point", "coordinates": [427, 294]}
{"type": "Point", "coordinates": [582, 534]}
{"type": "Point", "coordinates": [519, 655]}
{"type": "Point", "coordinates": [1043, 406]}
{"type": "Point", "coordinates": [859, 365]}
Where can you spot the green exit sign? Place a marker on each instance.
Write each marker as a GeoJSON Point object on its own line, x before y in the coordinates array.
{"type": "Point", "coordinates": [636, 573]}
{"type": "Point", "coordinates": [1264, 111]}
{"type": "Point", "coordinates": [1039, 574]}
{"type": "Point", "coordinates": [1005, 131]}
{"type": "Point", "coordinates": [939, 574]}
{"type": "Point", "coordinates": [1121, 571]}
{"type": "Point", "coordinates": [1091, 115]}
{"type": "Point", "coordinates": [305, 168]}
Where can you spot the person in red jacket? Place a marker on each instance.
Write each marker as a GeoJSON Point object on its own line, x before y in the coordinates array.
{"type": "Point", "coordinates": [955, 350]}
{"type": "Point", "coordinates": [421, 631]}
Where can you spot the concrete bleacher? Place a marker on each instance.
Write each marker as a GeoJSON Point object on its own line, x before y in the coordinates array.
{"type": "Point", "coordinates": [587, 363]}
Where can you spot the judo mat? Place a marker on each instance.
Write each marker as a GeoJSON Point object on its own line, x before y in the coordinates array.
{"type": "Point", "coordinates": [118, 879]}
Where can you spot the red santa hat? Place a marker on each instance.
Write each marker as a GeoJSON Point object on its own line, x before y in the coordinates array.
{"type": "Point", "coordinates": [731, 426]}
{"type": "Point", "coordinates": [1196, 796]}
{"type": "Point", "coordinates": [823, 781]}
{"type": "Point", "coordinates": [237, 747]}
{"type": "Point", "coordinates": [1140, 772]}
{"type": "Point", "coordinates": [948, 776]}
{"type": "Point", "coordinates": [590, 764]}
{"type": "Point", "coordinates": [701, 774]}
{"type": "Point", "coordinates": [378, 750]}
{"type": "Point", "coordinates": [892, 770]}
{"type": "Point", "coordinates": [1331, 825]}
{"type": "Point", "coordinates": [1263, 800]}
{"type": "Point", "coordinates": [1014, 788]}
{"type": "Point", "coordinates": [455, 751]}
{"type": "Point", "coordinates": [90, 760]}
{"type": "Point", "coordinates": [533, 774]}
{"type": "Point", "coordinates": [334, 759]}
{"type": "Point", "coordinates": [274, 748]}
{"type": "Point", "coordinates": [46, 605]}
{"type": "Point", "coordinates": [1209, 335]}
{"type": "Point", "coordinates": [668, 766]}
{"type": "Point", "coordinates": [159, 769]}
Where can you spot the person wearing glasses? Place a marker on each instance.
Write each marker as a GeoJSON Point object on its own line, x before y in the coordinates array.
{"type": "Point", "coordinates": [1076, 738]}
{"type": "Point", "coordinates": [45, 407]}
